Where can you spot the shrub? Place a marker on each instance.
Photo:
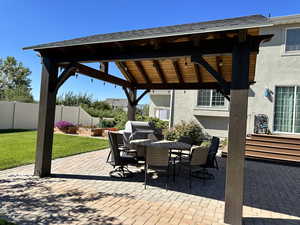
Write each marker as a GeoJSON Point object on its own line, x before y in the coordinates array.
{"type": "Point", "coordinates": [158, 123]}
{"type": "Point", "coordinates": [191, 129]}
{"type": "Point", "coordinates": [62, 125]}
{"type": "Point", "coordinates": [107, 123]}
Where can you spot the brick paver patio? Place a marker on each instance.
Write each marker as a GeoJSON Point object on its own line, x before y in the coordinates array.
{"type": "Point", "coordinates": [82, 193]}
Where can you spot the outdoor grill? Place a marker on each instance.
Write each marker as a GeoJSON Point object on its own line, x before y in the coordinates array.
{"type": "Point", "coordinates": [138, 130]}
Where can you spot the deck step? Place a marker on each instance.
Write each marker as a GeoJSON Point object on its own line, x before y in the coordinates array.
{"type": "Point", "coordinates": [275, 139]}
{"type": "Point", "coordinates": [279, 148]}
{"type": "Point", "coordinates": [273, 145]}
{"type": "Point", "coordinates": [279, 151]}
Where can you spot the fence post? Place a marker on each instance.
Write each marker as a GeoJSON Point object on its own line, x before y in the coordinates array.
{"type": "Point", "coordinates": [13, 116]}
{"type": "Point", "coordinates": [61, 112]}
{"type": "Point", "coordinates": [78, 119]}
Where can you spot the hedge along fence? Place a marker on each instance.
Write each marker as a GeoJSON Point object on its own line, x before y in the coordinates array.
{"type": "Point", "coordinates": [19, 115]}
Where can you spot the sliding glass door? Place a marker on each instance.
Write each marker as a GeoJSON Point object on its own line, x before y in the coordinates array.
{"type": "Point", "coordinates": [287, 109]}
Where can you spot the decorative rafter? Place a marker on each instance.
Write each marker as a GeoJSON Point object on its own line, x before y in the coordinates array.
{"type": "Point", "coordinates": [142, 71]}
{"type": "Point", "coordinates": [159, 71]}
{"type": "Point", "coordinates": [178, 72]}
{"type": "Point", "coordinates": [124, 70]}
{"type": "Point", "coordinates": [198, 73]}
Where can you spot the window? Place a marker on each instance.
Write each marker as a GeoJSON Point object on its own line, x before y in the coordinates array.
{"type": "Point", "coordinates": [292, 42]}
{"type": "Point", "coordinates": [211, 98]}
{"type": "Point", "coordinates": [287, 109]}
{"type": "Point", "coordinates": [162, 114]}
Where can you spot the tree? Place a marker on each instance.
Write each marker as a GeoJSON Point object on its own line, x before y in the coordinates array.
{"type": "Point", "coordinates": [72, 99]}
{"type": "Point", "coordinates": [14, 81]}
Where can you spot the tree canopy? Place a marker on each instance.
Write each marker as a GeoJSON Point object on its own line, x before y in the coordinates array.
{"type": "Point", "coordinates": [15, 84]}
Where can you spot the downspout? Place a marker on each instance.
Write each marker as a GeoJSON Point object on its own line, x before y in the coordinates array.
{"type": "Point", "coordinates": [172, 101]}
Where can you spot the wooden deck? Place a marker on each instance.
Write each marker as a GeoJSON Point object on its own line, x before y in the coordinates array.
{"type": "Point", "coordinates": [282, 148]}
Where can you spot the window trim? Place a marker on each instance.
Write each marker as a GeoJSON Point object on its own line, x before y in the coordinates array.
{"type": "Point", "coordinates": [273, 113]}
{"type": "Point", "coordinates": [162, 108]}
{"type": "Point", "coordinates": [287, 53]}
{"type": "Point", "coordinates": [221, 107]}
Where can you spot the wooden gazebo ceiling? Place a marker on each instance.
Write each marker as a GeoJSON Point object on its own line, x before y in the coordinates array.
{"type": "Point", "coordinates": [180, 70]}
{"type": "Point", "coordinates": [160, 58]}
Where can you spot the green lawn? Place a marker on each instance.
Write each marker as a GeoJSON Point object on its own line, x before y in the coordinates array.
{"type": "Point", "coordinates": [4, 222]}
{"type": "Point", "coordinates": [18, 148]}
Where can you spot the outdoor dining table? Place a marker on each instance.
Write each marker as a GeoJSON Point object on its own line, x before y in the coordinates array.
{"type": "Point", "coordinates": [141, 145]}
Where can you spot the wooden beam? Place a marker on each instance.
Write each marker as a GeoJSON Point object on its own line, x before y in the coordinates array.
{"type": "Point", "coordinates": [46, 119]}
{"type": "Point", "coordinates": [234, 190]}
{"type": "Point", "coordinates": [177, 71]}
{"type": "Point", "coordinates": [141, 96]}
{"type": "Point", "coordinates": [137, 53]}
{"type": "Point", "coordinates": [104, 67]}
{"type": "Point", "coordinates": [131, 107]}
{"type": "Point", "coordinates": [66, 74]}
{"type": "Point", "coordinates": [141, 70]}
{"type": "Point", "coordinates": [198, 73]}
{"type": "Point", "coordinates": [201, 61]}
{"type": "Point", "coordinates": [159, 71]}
{"type": "Point", "coordinates": [128, 96]}
{"type": "Point", "coordinates": [124, 70]}
{"type": "Point", "coordinates": [179, 86]}
{"type": "Point", "coordinates": [219, 67]}
{"type": "Point", "coordinates": [97, 74]}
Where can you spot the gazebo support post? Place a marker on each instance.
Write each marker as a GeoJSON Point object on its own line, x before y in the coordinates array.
{"type": "Point", "coordinates": [131, 104]}
{"type": "Point", "coordinates": [46, 118]}
{"type": "Point", "coordinates": [234, 191]}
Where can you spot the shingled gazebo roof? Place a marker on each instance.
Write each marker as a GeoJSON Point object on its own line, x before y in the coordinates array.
{"type": "Point", "coordinates": [160, 58]}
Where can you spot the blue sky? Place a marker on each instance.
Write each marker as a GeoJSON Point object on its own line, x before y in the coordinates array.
{"type": "Point", "coordinates": [29, 22]}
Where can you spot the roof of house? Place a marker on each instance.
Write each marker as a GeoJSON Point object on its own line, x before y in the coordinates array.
{"type": "Point", "coordinates": [285, 19]}
{"type": "Point", "coordinates": [244, 22]}
{"type": "Point", "coordinates": [121, 102]}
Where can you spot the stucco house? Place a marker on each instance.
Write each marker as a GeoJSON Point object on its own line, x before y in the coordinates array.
{"type": "Point", "coordinates": [118, 103]}
{"type": "Point", "coordinates": [276, 92]}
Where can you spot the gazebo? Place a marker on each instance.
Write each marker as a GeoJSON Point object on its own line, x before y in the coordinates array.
{"type": "Point", "coordinates": [217, 54]}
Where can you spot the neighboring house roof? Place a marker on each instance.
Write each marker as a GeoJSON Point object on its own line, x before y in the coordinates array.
{"type": "Point", "coordinates": [244, 22]}
{"type": "Point", "coordinates": [285, 19]}
{"type": "Point", "coordinates": [119, 102]}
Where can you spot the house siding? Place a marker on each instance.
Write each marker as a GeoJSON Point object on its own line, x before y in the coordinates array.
{"type": "Point", "coordinates": [273, 68]}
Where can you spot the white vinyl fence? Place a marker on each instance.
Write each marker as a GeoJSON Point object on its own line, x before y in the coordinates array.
{"type": "Point", "coordinates": [18, 115]}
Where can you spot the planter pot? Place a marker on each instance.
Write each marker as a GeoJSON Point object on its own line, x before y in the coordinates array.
{"type": "Point", "coordinates": [72, 130]}
{"type": "Point", "coordinates": [97, 132]}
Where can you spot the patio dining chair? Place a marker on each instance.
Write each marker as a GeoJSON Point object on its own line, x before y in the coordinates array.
{"type": "Point", "coordinates": [197, 160]}
{"type": "Point", "coordinates": [120, 144]}
{"type": "Point", "coordinates": [157, 158]}
{"type": "Point", "coordinates": [118, 160]}
{"type": "Point", "coordinates": [211, 158]}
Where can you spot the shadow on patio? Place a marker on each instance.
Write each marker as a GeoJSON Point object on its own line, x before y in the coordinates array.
{"type": "Point", "coordinates": [268, 186]}
{"type": "Point", "coordinates": [30, 200]}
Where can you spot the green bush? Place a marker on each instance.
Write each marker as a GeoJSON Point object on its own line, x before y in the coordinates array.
{"type": "Point", "coordinates": [191, 129]}
{"type": "Point", "coordinates": [107, 123]}
{"type": "Point", "coordinates": [158, 123]}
